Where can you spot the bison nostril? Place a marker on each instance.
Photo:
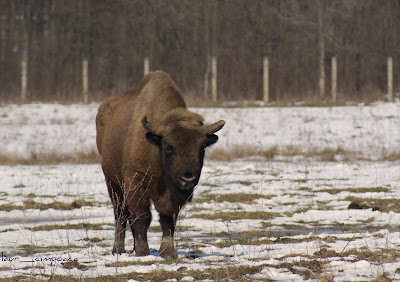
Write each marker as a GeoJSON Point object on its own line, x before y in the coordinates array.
{"type": "Point", "coordinates": [188, 177]}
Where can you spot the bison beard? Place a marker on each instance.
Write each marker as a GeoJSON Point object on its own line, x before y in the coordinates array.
{"type": "Point", "coordinates": [152, 149]}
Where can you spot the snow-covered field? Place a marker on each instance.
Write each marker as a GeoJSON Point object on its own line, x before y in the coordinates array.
{"type": "Point", "coordinates": [291, 218]}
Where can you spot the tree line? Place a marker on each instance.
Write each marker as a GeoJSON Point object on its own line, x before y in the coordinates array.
{"type": "Point", "coordinates": [181, 36]}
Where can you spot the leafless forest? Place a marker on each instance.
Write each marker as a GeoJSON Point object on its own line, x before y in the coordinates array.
{"type": "Point", "coordinates": [180, 36]}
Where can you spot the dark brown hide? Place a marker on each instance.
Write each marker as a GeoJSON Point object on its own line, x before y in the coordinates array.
{"type": "Point", "coordinates": [152, 148]}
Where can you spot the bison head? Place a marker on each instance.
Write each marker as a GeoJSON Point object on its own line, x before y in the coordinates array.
{"type": "Point", "coordinates": [182, 137]}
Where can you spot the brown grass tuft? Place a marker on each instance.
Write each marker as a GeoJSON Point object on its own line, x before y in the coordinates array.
{"type": "Point", "coordinates": [377, 256]}
{"type": "Point", "coordinates": [393, 156]}
{"type": "Point", "coordinates": [91, 157]}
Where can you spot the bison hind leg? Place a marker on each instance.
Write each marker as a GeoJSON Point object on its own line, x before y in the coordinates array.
{"type": "Point", "coordinates": [133, 233]}
{"type": "Point", "coordinates": [119, 241]}
{"type": "Point", "coordinates": [121, 215]}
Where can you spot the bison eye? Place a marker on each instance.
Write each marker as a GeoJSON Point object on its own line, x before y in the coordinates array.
{"type": "Point", "coordinates": [169, 149]}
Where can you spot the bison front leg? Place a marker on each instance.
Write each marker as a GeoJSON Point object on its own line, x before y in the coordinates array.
{"type": "Point", "coordinates": [167, 248]}
{"type": "Point", "coordinates": [140, 223]}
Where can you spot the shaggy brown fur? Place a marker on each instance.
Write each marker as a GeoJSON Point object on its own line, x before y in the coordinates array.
{"type": "Point", "coordinates": [152, 149]}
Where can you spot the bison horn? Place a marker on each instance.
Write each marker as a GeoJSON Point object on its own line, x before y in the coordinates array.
{"type": "Point", "coordinates": [212, 128]}
{"type": "Point", "coordinates": [148, 126]}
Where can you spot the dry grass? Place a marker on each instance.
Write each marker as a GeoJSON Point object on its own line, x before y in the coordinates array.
{"type": "Point", "coordinates": [217, 154]}
{"type": "Point", "coordinates": [377, 256]}
{"type": "Point", "coordinates": [74, 264]}
{"type": "Point", "coordinates": [35, 158]}
{"type": "Point", "coordinates": [78, 226]}
{"type": "Point", "coordinates": [237, 215]}
{"type": "Point", "coordinates": [231, 198]}
{"type": "Point", "coordinates": [31, 204]}
{"type": "Point", "coordinates": [320, 154]}
{"type": "Point", "coordinates": [256, 238]}
{"type": "Point", "coordinates": [334, 191]}
{"type": "Point", "coordinates": [383, 205]}
{"type": "Point", "coordinates": [393, 156]}
{"type": "Point", "coordinates": [236, 152]}
{"type": "Point", "coordinates": [91, 157]}
{"type": "Point", "coordinates": [227, 273]}
{"type": "Point", "coordinates": [249, 234]}
{"type": "Point", "coordinates": [330, 154]}
{"type": "Point", "coordinates": [308, 269]}
{"type": "Point", "coordinates": [145, 262]}
{"type": "Point", "coordinates": [34, 249]}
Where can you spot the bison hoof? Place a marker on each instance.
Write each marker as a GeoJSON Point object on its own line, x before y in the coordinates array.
{"type": "Point", "coordinates": [168, 254]}
{"type": "Point", "coordinates": [167, 249]}
{"type": "Point", "coordinates": [142, 250]}
{"type": "Point", "coordinates": [118, 250]}
{"type": "Point", "coordinates": [142, 253]}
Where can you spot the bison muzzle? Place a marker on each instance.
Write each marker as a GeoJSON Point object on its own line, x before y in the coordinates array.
{"type": "Point", "coordinates": [152, 149]}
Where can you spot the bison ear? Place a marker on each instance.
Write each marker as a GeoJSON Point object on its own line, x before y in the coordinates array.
{"type": "Point", "coordinates": [211, 139]}
{"type": "Point", "coordinates": [153, 138]}
{"type": "Point", "coordinates": [151, 135]}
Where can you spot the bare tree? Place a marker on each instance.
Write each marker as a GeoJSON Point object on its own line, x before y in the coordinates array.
{"type": "Point", "coordinates": [180, 37]}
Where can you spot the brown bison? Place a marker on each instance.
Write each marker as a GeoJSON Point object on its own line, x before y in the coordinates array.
{"type": "Point", "coordinates": [152, 149]}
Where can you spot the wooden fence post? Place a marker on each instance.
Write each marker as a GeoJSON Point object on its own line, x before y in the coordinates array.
{"type": "Point", "coordinates": [334, 79]}
{"type": "Point", "coordinates": [24, 76]}
{"type": "Point", "coordinates": [146, 65]}
{"type": "Point", "coordinates": [390, 78]}
{"type": "Point", "coordinates": [85, 83]}
{"type": "Point", "coordinates": [214, 78]}
{"type": "Point", "coordinates": [266, 80]}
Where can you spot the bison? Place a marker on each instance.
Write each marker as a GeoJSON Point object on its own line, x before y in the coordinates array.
{"type": "Point", "coordinates": [152, 150]}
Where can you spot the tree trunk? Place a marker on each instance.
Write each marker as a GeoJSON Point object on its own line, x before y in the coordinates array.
{"type": "Point", "coordinates": [207, 46]}
{"type": "Point", "coordinates": [321, 47]}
